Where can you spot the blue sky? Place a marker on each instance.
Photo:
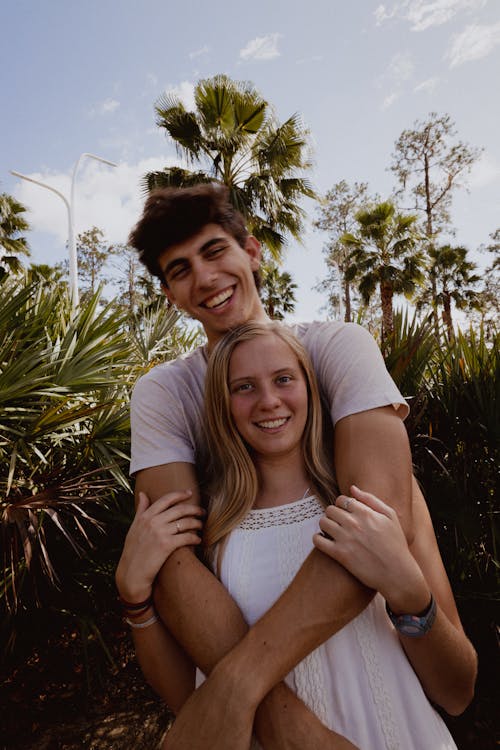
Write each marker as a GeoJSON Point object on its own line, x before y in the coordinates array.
{"type": "Point", "coordinates": [84, 76]}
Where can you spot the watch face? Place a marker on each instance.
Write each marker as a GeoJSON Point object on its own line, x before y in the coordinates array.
{"type": "Point", "coordinates": [414, 626]}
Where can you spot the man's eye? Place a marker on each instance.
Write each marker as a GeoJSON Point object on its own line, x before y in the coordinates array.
{"type": "Point", "coordinates": [214, 251]}
{"type": "Point", "coordinates": [178, 273]}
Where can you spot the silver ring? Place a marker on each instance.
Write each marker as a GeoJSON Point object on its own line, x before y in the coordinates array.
{"type": "Point", "coordinates": [347, 502]}
{"type": "Point", "coordinates": [178, 527]}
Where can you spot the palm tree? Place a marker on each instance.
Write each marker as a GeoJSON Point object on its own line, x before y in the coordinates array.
{"type": "Point", "coordinates": [277, 292]}
{"type": "Point", "coordinates": [12, 243]}
{"type": "Point", "coordinates": [384, 253]}
{"type": "Point", "coordinates": [451, 278]}
{"type": "Point", "coordinates": [235, 139]}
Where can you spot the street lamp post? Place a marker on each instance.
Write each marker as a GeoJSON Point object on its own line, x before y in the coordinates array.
{"type": "Point", "coordinates": [70, 207]}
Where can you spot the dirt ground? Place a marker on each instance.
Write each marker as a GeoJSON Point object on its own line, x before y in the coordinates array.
{"type": "Point", "coordinates": [42, 708]}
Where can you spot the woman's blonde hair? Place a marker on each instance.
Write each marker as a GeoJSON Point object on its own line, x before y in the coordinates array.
{"type": "Point", "coordinates": [232, 486]}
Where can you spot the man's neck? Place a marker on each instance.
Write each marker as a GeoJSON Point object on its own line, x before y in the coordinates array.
{"type": "Point", "coordinates": [260, 316]}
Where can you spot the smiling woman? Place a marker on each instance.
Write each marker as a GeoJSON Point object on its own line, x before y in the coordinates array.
{"type": "Point", "coordinates": [268, 400]}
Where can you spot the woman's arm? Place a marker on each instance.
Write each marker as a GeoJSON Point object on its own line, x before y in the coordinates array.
{"type": "Point", "coordinates": [367, 539]}
{"type": "Point", "coordinates": [156, 532]}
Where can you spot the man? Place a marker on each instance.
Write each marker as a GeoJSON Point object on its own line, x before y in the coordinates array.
{"type": "Point", "coordinates": [197, 245]}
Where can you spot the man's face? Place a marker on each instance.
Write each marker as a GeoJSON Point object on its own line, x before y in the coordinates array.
{"type": "Point", "coordinates": [210, 276]}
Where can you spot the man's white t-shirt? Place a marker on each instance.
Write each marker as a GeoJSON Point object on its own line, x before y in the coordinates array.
{"type": "Point", "coordinates": [166, 409]}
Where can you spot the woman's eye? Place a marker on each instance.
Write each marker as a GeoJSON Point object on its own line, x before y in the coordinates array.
{"type": "Point", "coordinates": [242, 388]}
{"type": "Point", "coordinates": [284, 379]}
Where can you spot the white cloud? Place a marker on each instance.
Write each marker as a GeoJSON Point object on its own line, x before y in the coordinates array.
{"type": "Point", "coordinates": [429, 85]}
{"type": "Point", "coordinates": [401, 67]}
{"type": "Point", "coordinates": [199, 52]}
{"type": "Point", "coordinates": [183, 91]}
{"type": "Point", "coordinates": [399, 70]}
{"type": "Point", "coordinates": [484, 172]}
{"type": "Point", "coordinates": [423, 14]}
{"type": "Point", "coordinates": [389, 100]}
{"type": "Point", "coordinates": [105, 197]}
{"type": "Point", "coordinates": [262, 48]}
{"type": "Point", "coordinates": [105, 107]}
{"type": "Point", "coordinates": [473, 43]}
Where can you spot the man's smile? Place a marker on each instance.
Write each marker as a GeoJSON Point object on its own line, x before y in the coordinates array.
{"type": "Point", "coordinates": [218, 299]}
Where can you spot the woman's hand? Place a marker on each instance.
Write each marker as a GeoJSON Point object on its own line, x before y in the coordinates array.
{"type": "Point", "coordinates": [158, 529]}
{"type": "Point", "coordinates": [365, 536]}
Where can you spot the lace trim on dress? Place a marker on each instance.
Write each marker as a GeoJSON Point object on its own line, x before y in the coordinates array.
{"type": "Point", "coordinates": [308, 674]}
{"type": "Point", "coordinates": [364, 634]}
{"type": "Point", "coordinates": [281, 515]}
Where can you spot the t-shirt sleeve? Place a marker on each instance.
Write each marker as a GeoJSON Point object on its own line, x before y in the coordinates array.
{"type": "Point", "coordinates": [158, 426]}
{"type": "Point", "coordinates": [352, 371]}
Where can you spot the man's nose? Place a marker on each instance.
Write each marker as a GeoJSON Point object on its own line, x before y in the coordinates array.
{"type": "Point", "coordinates": [205, 275]}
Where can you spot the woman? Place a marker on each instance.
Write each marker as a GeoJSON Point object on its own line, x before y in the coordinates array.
{"type": "Point", "coordinates": [271, 484]}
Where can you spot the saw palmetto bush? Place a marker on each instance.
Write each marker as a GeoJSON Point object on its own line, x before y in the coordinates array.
{"type": "Point", "coordinates": [454, 430]}
{"type": "Point", "coordinates": [65, 499]}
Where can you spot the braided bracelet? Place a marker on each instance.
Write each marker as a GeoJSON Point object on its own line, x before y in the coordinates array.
{"type": "Point", "coordinates": [139, 625]}
{"type": "Point", "coordinates": [132, 606]}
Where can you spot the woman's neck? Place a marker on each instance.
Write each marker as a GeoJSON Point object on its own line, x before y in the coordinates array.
{"type": "Point", "coordinates": [280, 480]}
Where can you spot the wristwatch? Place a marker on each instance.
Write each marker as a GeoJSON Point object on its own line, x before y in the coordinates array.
{"type": "Point", "coordinates": [414, 626]}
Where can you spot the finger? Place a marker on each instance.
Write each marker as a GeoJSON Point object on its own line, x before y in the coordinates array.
{"type": "Point", "coordinates": [345, 502]}
{"type": "Point", "coordinates": [324, 545]}
{"type": "Point", "coordinates": [170, 500]}
{"type": "Point", "coordinates": [370, 500]}
{"type": "Point", "coordinates": [143, 504]}
{"type": "Point", "coordinates": [186, 539]}
{"type": "Point", "coordinates": [330, 527]}
{"type": "Point", "coordinates": [183, 510]}
{"type": "Point", "coordinates": [185, 524]}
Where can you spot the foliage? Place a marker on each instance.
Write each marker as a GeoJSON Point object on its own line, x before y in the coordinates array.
{"type": "Point", "coordinates": [277, 291]}
{"type": "Point", "coordinates": [93, 256]}
{"type": "Point", "coordinates": [429, 164]}
{"type": "Point", "coordinates": [12, 243]}
{"type": "Point", "coordinates": [451, 277]}
{"type": "Point", "coordinates": [488, 297]}
{"type": "Point", "coordinates": [236, 139]}
{"type": "Point", "coordinates": [337, 216]}
{"type": "Point", "coordinates": [384, 254]}
{"type": "Point", "coordinates": [65, 380]}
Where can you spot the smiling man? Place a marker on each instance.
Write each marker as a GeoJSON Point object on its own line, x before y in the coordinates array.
{"type": "Point", "coordinates": [197, 245]}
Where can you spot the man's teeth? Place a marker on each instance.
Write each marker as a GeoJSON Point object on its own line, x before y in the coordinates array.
{"type": "Point", "coordinates": [272, 423]}
{"type": "Point", "coordinates": [219, 298]}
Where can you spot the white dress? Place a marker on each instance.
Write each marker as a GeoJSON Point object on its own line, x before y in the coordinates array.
{"type": "Point", "coordinates": [359, 682]}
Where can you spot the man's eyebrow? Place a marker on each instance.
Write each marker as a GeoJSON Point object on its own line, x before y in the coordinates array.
{"type": "Point", "coordinates": [182, 261]}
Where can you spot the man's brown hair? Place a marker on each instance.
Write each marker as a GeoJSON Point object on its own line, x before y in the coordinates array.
{"type": "Point", "coordinates": [173, 215]}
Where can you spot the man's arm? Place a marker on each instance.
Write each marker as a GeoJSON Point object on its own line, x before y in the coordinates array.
{"type": "Point", "coordinates": [371, 449]}
{"type": "Point", "coordinates": [207, 623]}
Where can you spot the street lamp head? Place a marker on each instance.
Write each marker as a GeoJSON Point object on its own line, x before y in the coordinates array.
{"type": "Point", "coordinates": [100, 158]}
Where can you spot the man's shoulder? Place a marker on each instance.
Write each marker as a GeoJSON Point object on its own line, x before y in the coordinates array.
{"type": "Point", "coordinates": [318, 332]}
{"type": "Point", "coordinates": [190, 366]}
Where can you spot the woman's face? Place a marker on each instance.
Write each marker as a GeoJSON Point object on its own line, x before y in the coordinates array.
{"type": "Point", "coordinates": [268, 393]}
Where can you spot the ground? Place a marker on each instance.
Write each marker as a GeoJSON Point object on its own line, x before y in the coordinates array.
{"type": "Point", "coordinates": [47, 706]}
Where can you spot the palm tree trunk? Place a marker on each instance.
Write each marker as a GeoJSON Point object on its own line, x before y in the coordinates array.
{"type": "Point", "coordinates": [347, 297]}
{"type": "Point", "coordinates": [386, 294]}
{"type": "Point", "coordinates": [447, 314]}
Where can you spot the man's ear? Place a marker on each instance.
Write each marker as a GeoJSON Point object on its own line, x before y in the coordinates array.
{"type": "Point", "coordinates": [253, 249]}
{"type": "Point", "coordinates": [168, 294]}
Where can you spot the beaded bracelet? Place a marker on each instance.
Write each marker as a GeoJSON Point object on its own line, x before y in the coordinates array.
{"type": "Point", "coordinates": [145, 624]}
